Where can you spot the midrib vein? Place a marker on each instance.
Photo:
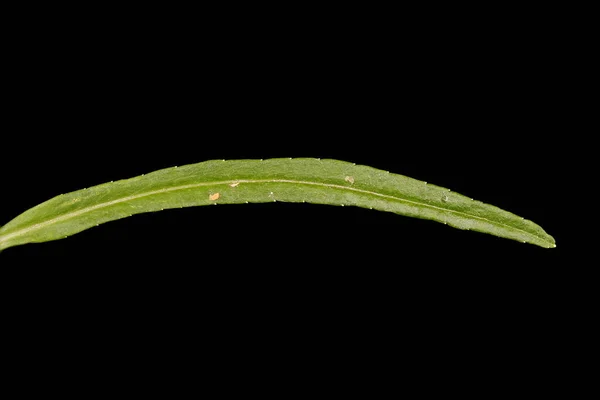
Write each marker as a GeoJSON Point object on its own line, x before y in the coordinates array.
{"type": "Point", "coordinates": [77, 213]}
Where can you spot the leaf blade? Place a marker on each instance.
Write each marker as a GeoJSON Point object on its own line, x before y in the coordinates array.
{"type": "Point", "coordinates": [319, 181]}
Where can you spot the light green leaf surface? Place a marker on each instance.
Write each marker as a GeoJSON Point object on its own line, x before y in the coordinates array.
{"type": "Point", "coordinates": [258, 181]}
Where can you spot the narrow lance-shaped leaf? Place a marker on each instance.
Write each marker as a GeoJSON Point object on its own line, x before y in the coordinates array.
{"type": "Point", "coordinates": [310, 180]}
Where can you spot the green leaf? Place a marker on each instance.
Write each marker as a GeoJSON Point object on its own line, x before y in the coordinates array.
{"type": "Point", "coordinates": [258, 181]}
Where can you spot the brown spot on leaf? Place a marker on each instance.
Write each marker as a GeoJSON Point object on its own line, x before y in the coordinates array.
{"type": "Point", "coordinates": [214, 196]}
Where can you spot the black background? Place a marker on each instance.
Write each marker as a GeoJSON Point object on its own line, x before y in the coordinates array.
{"type": "Point", "coordinates": [470, 104]}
